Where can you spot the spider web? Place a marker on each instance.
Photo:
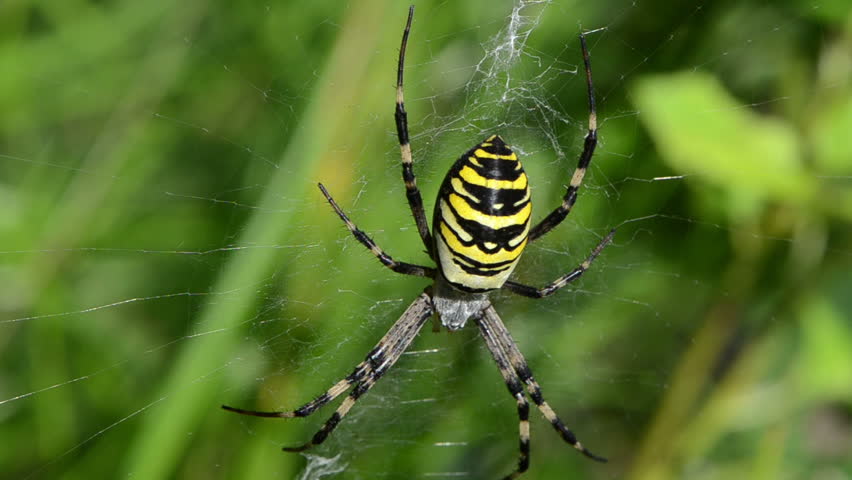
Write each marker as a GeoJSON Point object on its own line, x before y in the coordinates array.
{"type": "Point", "coordinates": [145, 285]}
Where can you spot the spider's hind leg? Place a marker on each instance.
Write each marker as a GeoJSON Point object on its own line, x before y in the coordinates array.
{"type": "Point", "coordinates": [343, 385]}
{"type": "Point", "coordinates": [516, 389]}
{"type": "Point", "coordinates": [378, 362]}
{"type": "Point", "coordinates": [491, 321]}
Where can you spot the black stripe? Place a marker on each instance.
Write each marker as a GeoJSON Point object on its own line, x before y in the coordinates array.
{"type": "Point", "coordinates": [497, 147]}
{"type": "Point", "coordinates": [589, 144]}
{"type": "Point", "coordinates": [567, 435]}
{"type": "Point", "coordinates": [361, 388]}
{"type": "Point", "coordinates": [488, 197]}
{"type": "Point", "coordinates": [310, 408]}
{"type": "Point", "coordinates": [332, 422]}
{"type": "Point", "coordinates": [524, 460]}
{"type": "Point", "coordinates": [481, 272]}
{"type": "Point", "coordinates": [536, 396]}
{"type": "Point", "coordinates": [513, 384]}
{"type": "Point", "coordinates": [524, 372]}
{"type": "Point", "coordinates": [407, 174]}
{"type": "Point", "coordinates": [473, 262]}
{"type": "Point", "coordinates": [465, 288]}
{"type": "Point", "coordinates": [358, 373]}
{"type": "Point", "coordinates": [480, 234]}
{"type": "Point", "coordinates": [494, 168]}
{"type": "Point", "coordinates": [401, 122]}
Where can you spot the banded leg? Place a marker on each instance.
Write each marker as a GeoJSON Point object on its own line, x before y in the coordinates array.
{"type": "Point", "coordinates": [415, 201]}
{"type": "Point", "coordinates": [513, 383]}
{"type": "Point", "coordinates": [389, 344]}
{"type": "Point", "coordinates": [555, 217]}
{"type": "Point", "coordinates": [519, 364]}
{"type": "Point", "coordinates": [399, 338]}
{"type": "Point", "coordinates": [398, 267]}
{"type": "Point", "coordinates": [533, 292]}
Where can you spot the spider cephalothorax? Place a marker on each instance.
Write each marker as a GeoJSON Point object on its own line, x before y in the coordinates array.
{"type": "Point", "coordinates": [481, 225]}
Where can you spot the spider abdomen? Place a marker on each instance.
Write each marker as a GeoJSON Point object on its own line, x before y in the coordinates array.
{"type": "Point", "coordinates": [482, 217]}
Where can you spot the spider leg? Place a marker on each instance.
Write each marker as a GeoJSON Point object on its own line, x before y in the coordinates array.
{"type": "Point", "coordinates": [516, 389]}
{"type": "Point", "coordinates": [533, 292]}
{"type": "Point", "coordinates": [379, 361]}
{"type": "Point", "coordinates": [555, 217]}
{"type": "Point", "coordinates": [398, 267]}
{"type": "Point", "coordinates": [389, 343]}
{"type": "Point", "coordinates": [361, 370]}
{"type": "Point", "coordinates": [411, 191]}
{"type": "Point", "coordinates": [310, 407]}
{"type": "Point", "coordinates": [492, 321]}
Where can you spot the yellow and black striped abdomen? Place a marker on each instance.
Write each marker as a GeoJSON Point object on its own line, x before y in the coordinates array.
{"type": "Point", "coordinates": [482, 217]}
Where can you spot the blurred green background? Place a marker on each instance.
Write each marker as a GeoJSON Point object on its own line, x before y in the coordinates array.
{"type": "Point", "coordinates": [165, 250]}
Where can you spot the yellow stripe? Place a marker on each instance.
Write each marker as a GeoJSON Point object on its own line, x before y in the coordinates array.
{"type": "Point", "coordinates": [495, 222]}
{"type": "Point", "coordinates": [450, 219]}
{"type": "Point", "coordinates": [486, 269]}
{"type": "Point", "coordinates": [520, 238]}
{"type": "Point", "coordinates": [458, 186]}
{"type": "Point", "coordinates": [470, 176]}
{"type": "Point", "coordinates": [519, 202]}
{"type": "Point", "coordinates": [475, 253]}
{"type": "Point", "coordinates": [483, 154]}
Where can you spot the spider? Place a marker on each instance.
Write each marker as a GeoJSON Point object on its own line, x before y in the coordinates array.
{"type": "Point", "coordinates": [481, 225]}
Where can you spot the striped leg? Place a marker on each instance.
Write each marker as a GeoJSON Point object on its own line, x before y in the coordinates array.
{"type": "Point", "coordinates": [556, 216]}
{"type": "Point", "coordinates": [516, 358]}
{"type": "Point", "coordinates": [380, 361]}
{"type": "Point", "coordinates": [343, 385]}
{"type": "Point", "coordinates": [401, 117]}
{"type": "Point", "coordinates": [398, 337]}
{"type": "Point", "coordinates": [560, 282]}
{"type": "Point", "coordinates": [501, 358]}
{"type": "Point", "coordinates": [398, 267]}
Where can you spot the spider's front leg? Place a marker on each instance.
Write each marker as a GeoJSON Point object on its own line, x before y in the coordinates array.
{"type": "Point", "coordinates": [398, 267]}
{"type": "Point", "coordinates": [412, 193]}
{"type": "Point", "coordinates": [555, 217]}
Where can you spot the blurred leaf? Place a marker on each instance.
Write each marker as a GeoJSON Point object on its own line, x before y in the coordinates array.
{"type": "Point", "coordinates": [833, 151]}
{"type": "Point", "coordinates": [701, 130]}
{"type": "Point", "coordinates": [834, 11]}
{"type": "Point", "coordinates": [826, 355]}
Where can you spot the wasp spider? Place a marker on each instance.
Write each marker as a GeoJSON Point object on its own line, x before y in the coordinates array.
{"type": "Point", "coordinates": [481, 226]}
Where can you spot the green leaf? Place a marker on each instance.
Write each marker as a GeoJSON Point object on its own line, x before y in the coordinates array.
{"type": "Point", "coordinates": [700, 129]}
{"type": "Point", "coordinates": [830, 137]}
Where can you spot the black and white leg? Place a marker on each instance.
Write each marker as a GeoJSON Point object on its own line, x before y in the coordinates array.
{"type": "Point", "coordinates": [493, 323]}
{"type": "Point", "coordinates": [555, 217]}
{"type": "Point", "coordinates": [534, 292]}
{"type": "Point", "coordinates": [408, 326]}
{"type": "Point", "coordinates": [381, 358]}
{"type": "Point", "coordinates": [415, 201]}
{"type": "Point", "coordinates": [516, 389]}
{"type": "Point", "coordinates": [398, 267]}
